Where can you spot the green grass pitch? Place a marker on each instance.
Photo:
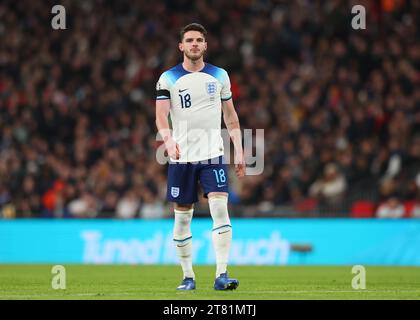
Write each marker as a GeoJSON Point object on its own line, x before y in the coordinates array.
{"type": "Point", "coordinates": [159, 283]}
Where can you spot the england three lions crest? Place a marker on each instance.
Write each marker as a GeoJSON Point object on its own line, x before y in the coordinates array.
{"type": "Point", "coordinates": [175, 192]}
{"type": "Point", "coordinates": [211, 88]}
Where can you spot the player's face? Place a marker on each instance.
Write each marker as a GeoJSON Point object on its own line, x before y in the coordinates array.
{"type": "Point", "coordinates": [193, 45]}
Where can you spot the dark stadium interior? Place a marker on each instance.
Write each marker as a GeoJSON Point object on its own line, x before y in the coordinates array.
{"type": "Point", "coordinates": [340, 108]}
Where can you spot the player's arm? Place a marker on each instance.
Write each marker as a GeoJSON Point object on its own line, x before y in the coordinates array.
{"type": "Point", "coordinates": [162, 124]}
{"type": "Point", "coordinates": [231, 120]}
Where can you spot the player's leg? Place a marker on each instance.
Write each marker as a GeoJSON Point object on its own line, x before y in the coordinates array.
{"type": "Point", "coordinates": [214, 180]}
{"type": "Point", "coordinates": [182, 190]}
{"type": "Point", "coordinates": [183, 243]}
{"type": "Point", "coordinates": [222, 229]}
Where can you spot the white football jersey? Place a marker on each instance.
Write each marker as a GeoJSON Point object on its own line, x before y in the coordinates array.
{"type": "Point", "coordinates": [196, 109]}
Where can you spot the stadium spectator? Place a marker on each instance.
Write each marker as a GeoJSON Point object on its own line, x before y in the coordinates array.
{"type": "Point", "coordinates": [128, 206]}
{"type": "Point", "coordinates": [77, 105]}
{"type": "Point", "coordinates": [152, 208]}
{"type": "Point", "coordinates": [392, 208]}
{"type": "Point", "coordinates": [85, 206]}
{"type": "Point", "coordinates": [330, 189]}
{"type": "Point", "coordinates": [415, 212]}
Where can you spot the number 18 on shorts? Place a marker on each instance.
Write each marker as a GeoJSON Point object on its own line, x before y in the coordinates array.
{"type": "Point", "coordinates": [183, 179]}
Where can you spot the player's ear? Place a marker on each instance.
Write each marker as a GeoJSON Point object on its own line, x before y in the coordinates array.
{"type": "Point", "coordinates": [181, 47]}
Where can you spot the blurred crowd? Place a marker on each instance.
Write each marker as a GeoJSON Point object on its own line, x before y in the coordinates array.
{"type": "Point", "coordinates": [340, 108]}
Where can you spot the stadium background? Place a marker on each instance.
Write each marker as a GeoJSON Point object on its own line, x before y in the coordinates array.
{"type": "Point", "coordinates": [340, 109]}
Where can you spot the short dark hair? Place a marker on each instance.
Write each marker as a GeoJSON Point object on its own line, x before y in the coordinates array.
{"type": "Point", "coordinates": [192, 27]}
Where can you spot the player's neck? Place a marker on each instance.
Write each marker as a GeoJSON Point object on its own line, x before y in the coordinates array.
{"type": "Point", "coordinates": [193, 66]}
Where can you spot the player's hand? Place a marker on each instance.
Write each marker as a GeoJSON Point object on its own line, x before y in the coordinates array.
{"type": "Point", "coordinates": [239, 165]}
{"type": "Point", "coordinates": [173, 149]}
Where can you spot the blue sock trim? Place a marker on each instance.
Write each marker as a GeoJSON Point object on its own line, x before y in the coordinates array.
{"type": "Point", "coordinates": [188, 238]}
{"type": "Point", "coordinates": [226, 225]}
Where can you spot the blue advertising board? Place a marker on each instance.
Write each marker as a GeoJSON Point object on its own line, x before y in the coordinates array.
{"type": "Point", "coordinates": [255, 241]}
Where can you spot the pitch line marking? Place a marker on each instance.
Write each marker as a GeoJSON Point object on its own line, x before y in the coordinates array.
{"type": "Point", "coordinates": [236, 292]}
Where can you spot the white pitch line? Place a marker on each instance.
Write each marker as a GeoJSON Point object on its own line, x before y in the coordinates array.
{"type": "Point", "coordinates": [235, 292]}
{"type": "Point", "coordinates": [337, 291]}
{"type": "Point", "coordinates": [66, 295]}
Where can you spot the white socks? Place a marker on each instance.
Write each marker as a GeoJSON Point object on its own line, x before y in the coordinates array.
{"type": "Point", "coordinates": [183, 241]}
{"type": "Point", "coordinates": [221, 235]}
{"type": "Point", "coordinates": [222, 231]}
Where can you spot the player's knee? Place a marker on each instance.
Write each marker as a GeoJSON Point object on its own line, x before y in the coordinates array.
{"type": "Point", "coordinates": [217, 194]}
{"type": "Point", "coordinates": [219, 211]}
{"type": "Point", "coordinates": [183, 207]}
{"type": "Point", "coordinates": [182, 225]}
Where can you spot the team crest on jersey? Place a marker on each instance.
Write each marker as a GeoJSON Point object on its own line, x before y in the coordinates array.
{"type": "Point", "coordinates": [211, 88]}
{"type": "Point", "coordinates": [175, 192]}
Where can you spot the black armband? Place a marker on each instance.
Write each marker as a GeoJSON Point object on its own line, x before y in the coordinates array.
{"type": "Point", "coordinates": [163, 94]}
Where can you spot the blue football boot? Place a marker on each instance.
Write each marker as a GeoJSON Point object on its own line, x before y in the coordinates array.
{"type": "Point", "coordinates": [224, 283]}
{"type": "Point", "coordinates": [187, 284]}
